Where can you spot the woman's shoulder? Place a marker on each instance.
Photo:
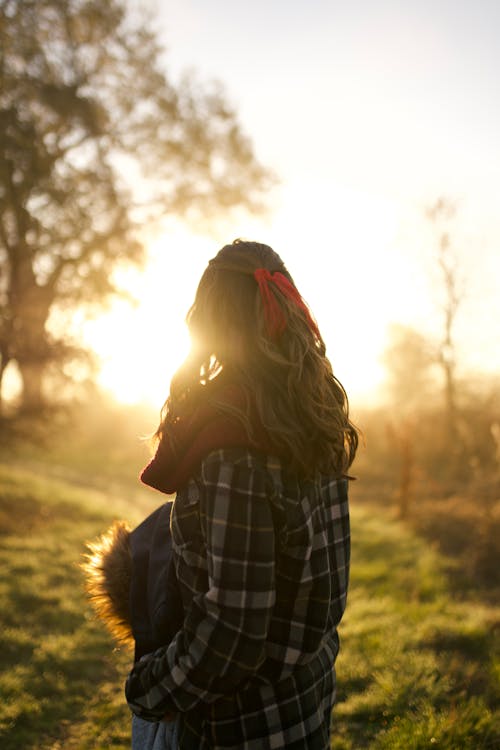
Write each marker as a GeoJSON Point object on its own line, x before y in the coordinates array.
{"type": "Point", "coordinates": [234, 464]}
{"type": "Point", "coordinates": [245, 456]}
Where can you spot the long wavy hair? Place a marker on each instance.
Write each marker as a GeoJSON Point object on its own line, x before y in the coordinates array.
{"type": "Point", "coordinates": [288, 379]}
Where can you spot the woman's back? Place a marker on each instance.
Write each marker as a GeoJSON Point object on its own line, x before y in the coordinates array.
{"type": "Point", "coordinates": [262, 562]}
{"type": "Point", "coordinates": [255, 438]}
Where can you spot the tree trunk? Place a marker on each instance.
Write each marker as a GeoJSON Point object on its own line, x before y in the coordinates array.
{"type": "Point", "coordinates": [30, 347]}
{"type": "Point", "coordinates": [3, 366]}
{"type": "Point", "coordinates": [402, 439]}
{"type": "Point", "coordinates": [32, 393]}
{"type": "Point", "coordinates": [406, 475]}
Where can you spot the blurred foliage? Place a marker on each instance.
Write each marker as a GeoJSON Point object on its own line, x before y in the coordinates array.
{"type": "Point", "coordinates": [446, 483]}
{"type": "Point", "coordinates": [95, 142]}
{"type": "Point", "coordinates": [410, 360]}
{"type": "Point", "coordinates": [105, 442]}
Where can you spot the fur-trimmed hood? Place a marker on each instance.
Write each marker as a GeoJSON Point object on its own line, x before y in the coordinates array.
{"type": "Point", "coordinates": [131, 583]}
{"type": "Point", "coordinates": [108, 576]}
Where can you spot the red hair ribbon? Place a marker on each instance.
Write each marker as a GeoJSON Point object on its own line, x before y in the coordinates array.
{"type": "Point", "coordinates": [273, 313]}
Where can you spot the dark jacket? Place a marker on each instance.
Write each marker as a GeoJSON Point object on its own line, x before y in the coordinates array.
{"type": "Point", "coordinates": [131, 582]}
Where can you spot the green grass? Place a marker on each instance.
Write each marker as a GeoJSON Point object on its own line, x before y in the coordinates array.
{"type": "Point", "coordinates": [61, 677]}
{"type": "Point", "coordinates": [419, 667]}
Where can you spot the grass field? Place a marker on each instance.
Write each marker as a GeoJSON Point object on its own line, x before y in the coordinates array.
{"type": "Point", "coordinates": [419, 667]}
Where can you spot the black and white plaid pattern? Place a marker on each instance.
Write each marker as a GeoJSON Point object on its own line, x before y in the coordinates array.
{"type": "Point", "coordinates": [262, 559]}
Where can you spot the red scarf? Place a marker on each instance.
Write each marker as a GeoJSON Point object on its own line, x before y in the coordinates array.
{"type": "Point", "coordinates": [205, 430]}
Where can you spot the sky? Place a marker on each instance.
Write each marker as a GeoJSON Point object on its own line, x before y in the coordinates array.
{"type": "Point", "coordinates": [367, 112]}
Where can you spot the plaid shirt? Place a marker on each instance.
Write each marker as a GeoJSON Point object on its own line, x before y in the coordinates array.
{"type": "Point", "coordinates": [262, 560]}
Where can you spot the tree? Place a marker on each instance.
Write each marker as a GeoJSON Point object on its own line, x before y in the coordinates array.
{"type": "Point", "coordinates": [95, 140]}
{"type": "Point", "coordinates": [410, 359]}
{"type": "Point", "coordinates": [440, 213]}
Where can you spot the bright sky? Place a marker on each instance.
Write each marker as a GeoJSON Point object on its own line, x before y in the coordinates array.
{"type": "Point", "coordinates": [368, 112]}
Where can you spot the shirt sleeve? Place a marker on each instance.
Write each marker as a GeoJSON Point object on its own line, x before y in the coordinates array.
{"type": "Point", "coordinates": [223, 639]}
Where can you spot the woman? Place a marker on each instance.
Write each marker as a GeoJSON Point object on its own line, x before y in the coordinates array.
{"type": "Point", "coordinates": [256, 441]}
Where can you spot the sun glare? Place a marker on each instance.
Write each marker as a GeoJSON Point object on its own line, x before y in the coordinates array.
{"type": "Point", "coordinates": [140, 346]}
{"type": "Point", "coordinates": [129, 369]}
{"type": "Point", "coordinates": [360, 260]}
{"type": "Point", "coordinates": [331, 238]}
